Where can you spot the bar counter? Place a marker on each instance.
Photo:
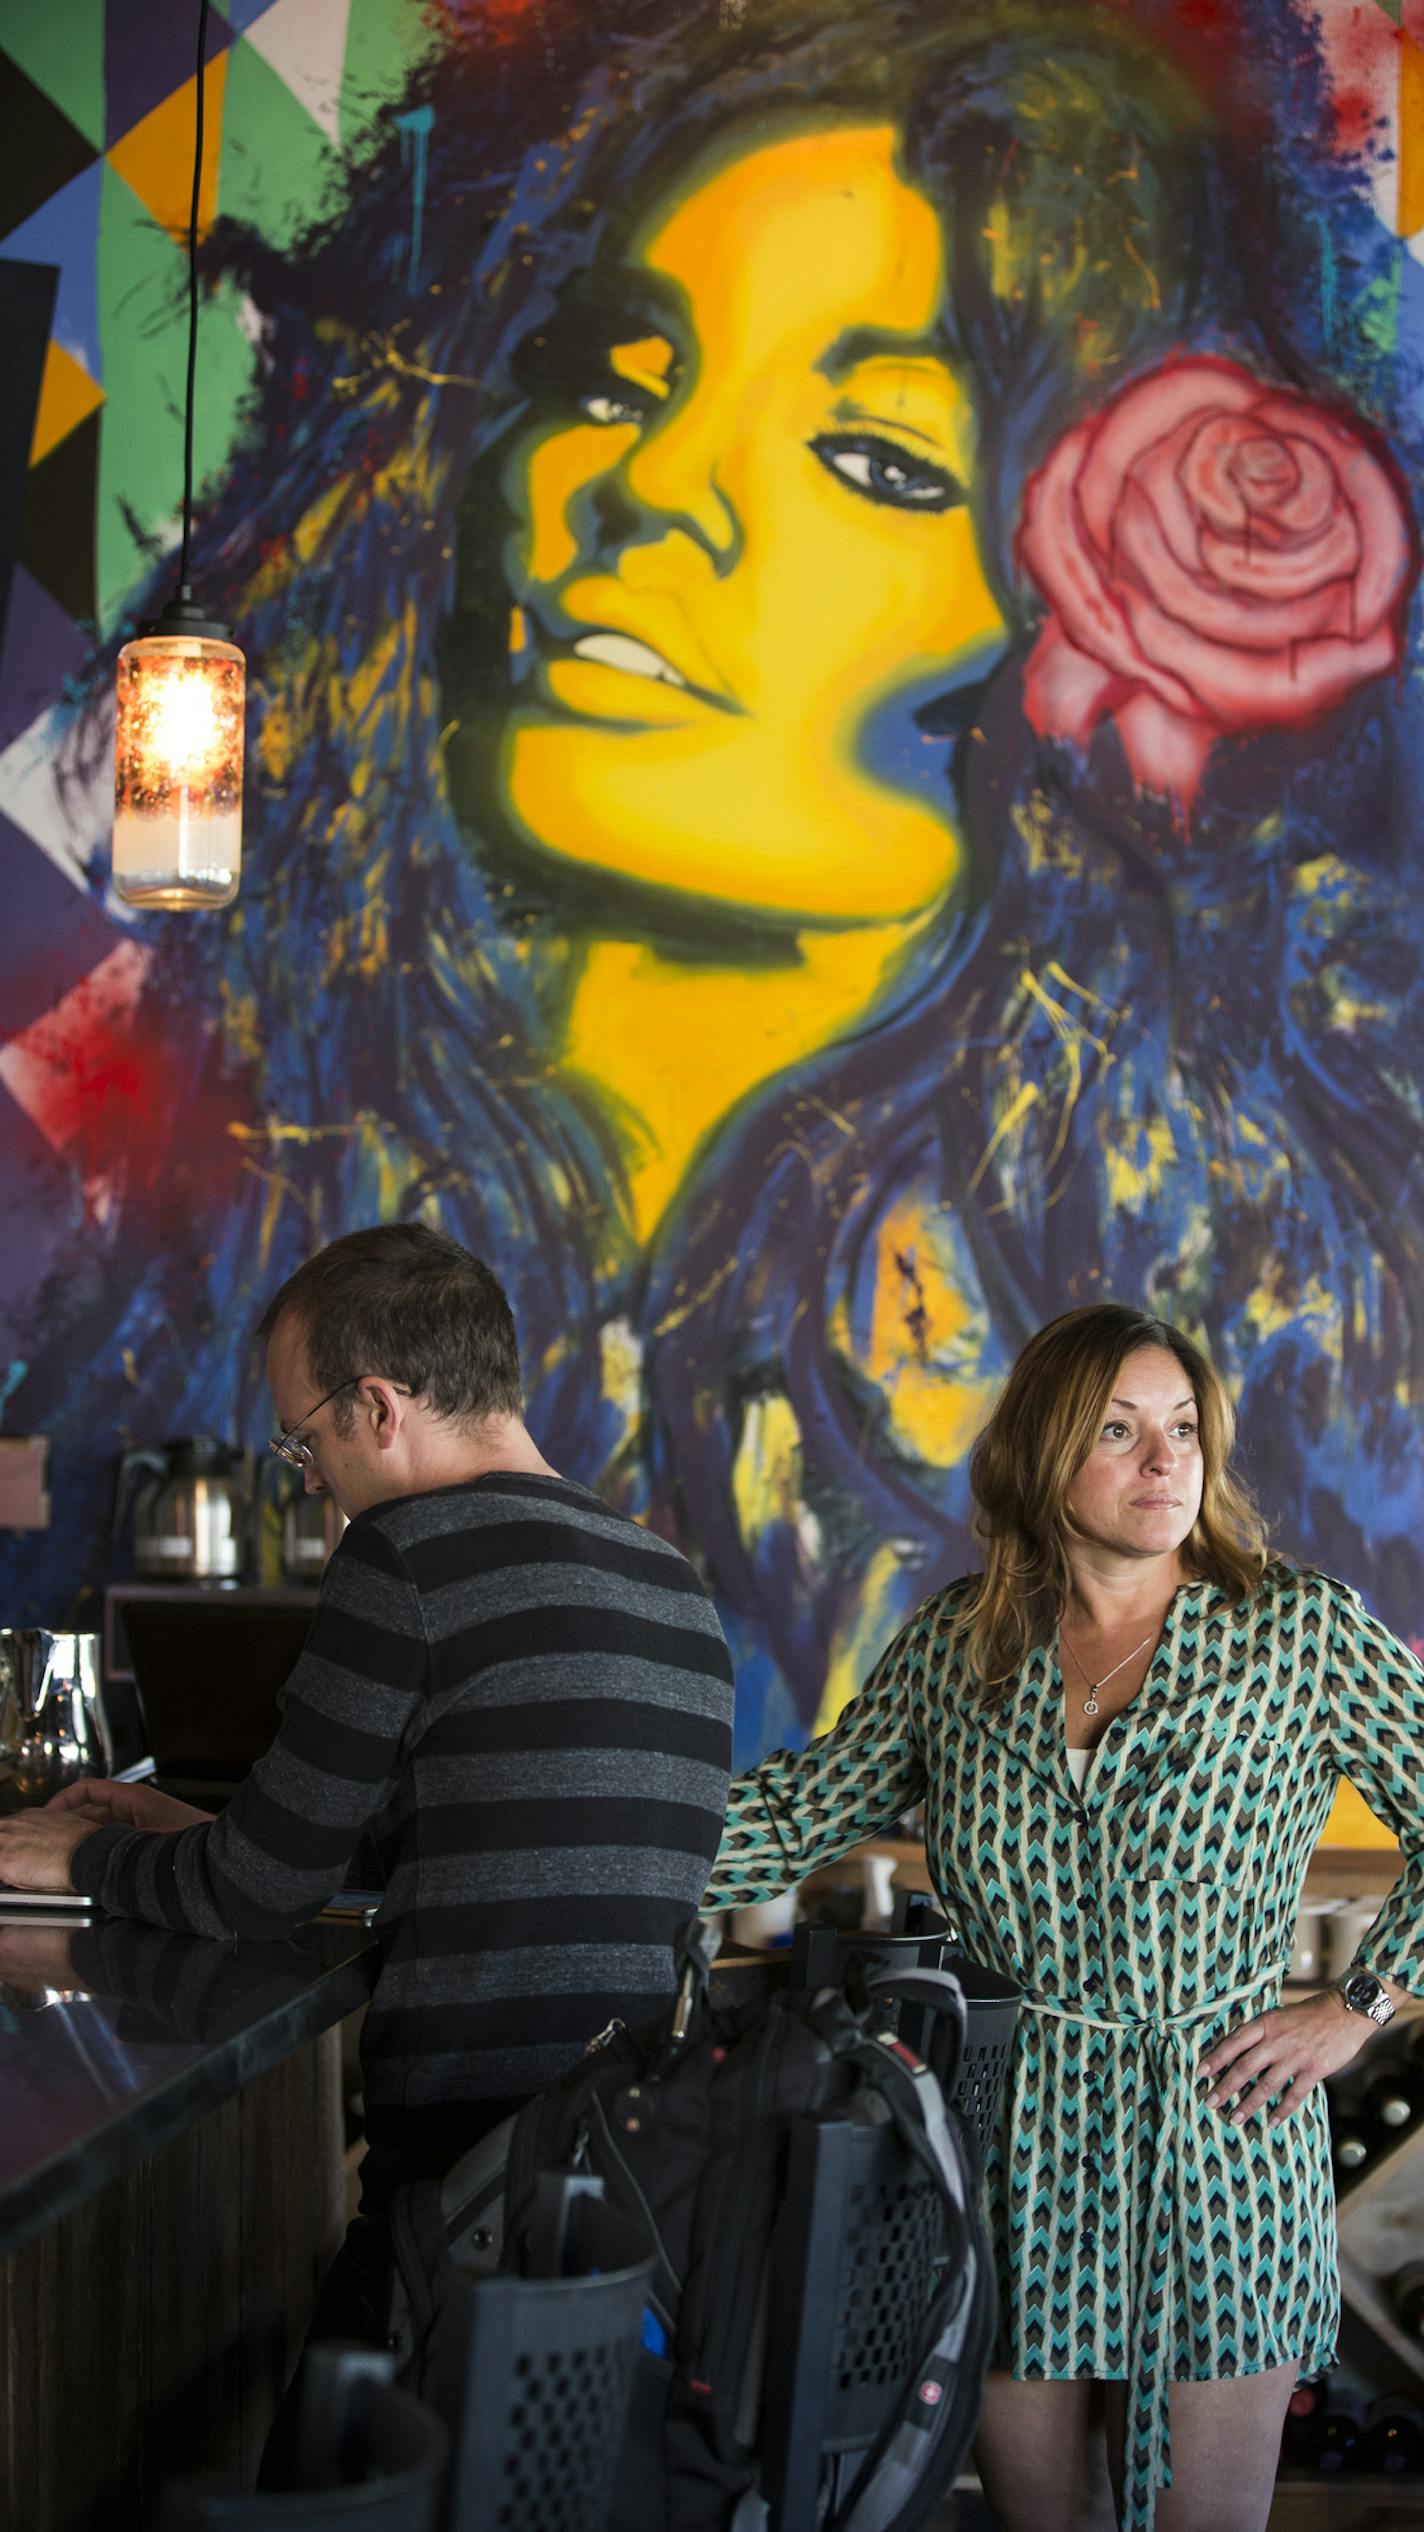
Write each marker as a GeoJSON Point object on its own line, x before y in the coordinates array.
{"type": "Point", "coordinates": [171, 2187]}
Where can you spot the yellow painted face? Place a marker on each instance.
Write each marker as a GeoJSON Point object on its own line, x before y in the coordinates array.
{"type": "Point", "coordinates": [744, 541]}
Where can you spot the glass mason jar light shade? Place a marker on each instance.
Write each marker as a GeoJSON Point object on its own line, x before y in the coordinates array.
{"type": "Point", "coordinates": [178, 772]}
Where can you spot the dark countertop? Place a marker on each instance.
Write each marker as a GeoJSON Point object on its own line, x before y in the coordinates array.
{"type": "Point", "coordinates": [115, 2037]}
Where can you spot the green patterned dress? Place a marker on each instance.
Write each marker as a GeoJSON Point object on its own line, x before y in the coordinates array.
{"type": "Point", "coordinates": [1139, 2236]}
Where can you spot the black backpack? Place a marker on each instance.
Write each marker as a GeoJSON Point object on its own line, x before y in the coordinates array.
{"type": "Point", "coordinates": [688, 2123]}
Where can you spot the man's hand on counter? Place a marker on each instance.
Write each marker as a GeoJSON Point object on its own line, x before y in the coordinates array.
{"type": "Point", "coordinates": [103, 1802]}
{"type": "Point", "coordinates": [36, 1846]}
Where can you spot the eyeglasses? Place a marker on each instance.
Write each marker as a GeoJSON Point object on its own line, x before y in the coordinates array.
{"type": "Point", "coordinates": [297, 1454]}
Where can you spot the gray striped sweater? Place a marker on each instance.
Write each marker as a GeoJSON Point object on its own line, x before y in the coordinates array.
{"type": "Point", "coordinates": [519, 1703]}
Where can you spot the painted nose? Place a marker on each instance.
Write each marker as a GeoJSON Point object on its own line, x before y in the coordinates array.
{"type": "Point", "coordinates": [672, 476]}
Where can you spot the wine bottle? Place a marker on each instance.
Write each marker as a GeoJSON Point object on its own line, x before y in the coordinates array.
{"type": "Point", "coordinates": [1392, 2439]}
{"type": "Point", "coordinates": [1352, 2147]}
{"type": "Point", "coordinates": [1395, 2099]}
{"type": "Point", "coordinates": [1407, 2295]}
{"type": "Point", "coordinates": [1337, 2444]}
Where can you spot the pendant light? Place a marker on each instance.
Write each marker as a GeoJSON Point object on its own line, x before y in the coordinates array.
{"type": "Point", "coordinates": [179, 712]}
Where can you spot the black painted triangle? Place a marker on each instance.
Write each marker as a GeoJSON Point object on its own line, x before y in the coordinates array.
{"type": "Point", "coordinates": [57, 531]}
{"type": "Point", "coordinates": [43, 149]}
{"type": "Point", "coordinates": [27, 293]}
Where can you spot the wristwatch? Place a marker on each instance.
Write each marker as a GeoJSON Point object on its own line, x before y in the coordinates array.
{"type": "Point", "coordinates": [1364, 1993]}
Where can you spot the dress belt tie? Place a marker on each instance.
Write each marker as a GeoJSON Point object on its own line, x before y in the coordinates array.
{"type": "Point", "coordinates": [1147, 2456]}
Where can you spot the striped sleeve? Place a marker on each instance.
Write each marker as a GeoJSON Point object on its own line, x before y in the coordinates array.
{"type": "Point", "coordinates": [1376, 1693]}
{"type": "Point", "coordinates": [801, 1808]}
{"type": "Point", "coordinates": [286, 1840]}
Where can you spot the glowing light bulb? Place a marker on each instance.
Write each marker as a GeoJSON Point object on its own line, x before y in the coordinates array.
{"type": "Point", "coordinates": [178, 772]}
{"type": "Point", "coordinates": [185, 725]}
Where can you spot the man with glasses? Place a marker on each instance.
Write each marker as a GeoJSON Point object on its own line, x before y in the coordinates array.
{"type": "Point", "coordinates": [517, 1700]}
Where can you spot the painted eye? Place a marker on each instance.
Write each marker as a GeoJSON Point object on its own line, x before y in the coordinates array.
{"type": "Point", "coordinates": [610, 410]}
{"type": "Point", "coordinates": [880, 470]}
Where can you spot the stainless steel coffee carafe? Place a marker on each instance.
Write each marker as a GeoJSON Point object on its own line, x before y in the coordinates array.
{"type": "Point", "coordinates": [53, 1728]}
{"type": "Point", "coordinates": [311, 1526]}
{"type": "Point", "coordinates": [192, 1505]}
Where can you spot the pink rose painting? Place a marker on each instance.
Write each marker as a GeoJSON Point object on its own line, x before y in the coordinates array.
{"type": "Point", "coordinates": [1218, 556]}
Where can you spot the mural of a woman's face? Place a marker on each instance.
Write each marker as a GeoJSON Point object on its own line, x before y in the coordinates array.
{"type": "Point", "coordinates": [743, 539]}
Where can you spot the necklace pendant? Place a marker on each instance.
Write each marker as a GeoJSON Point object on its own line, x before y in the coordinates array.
{"type": "Point", "coordinates": [1090, 1702]}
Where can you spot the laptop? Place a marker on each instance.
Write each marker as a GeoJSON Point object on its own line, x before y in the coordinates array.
{"type": "Point", "coordinates": [207, 1674]}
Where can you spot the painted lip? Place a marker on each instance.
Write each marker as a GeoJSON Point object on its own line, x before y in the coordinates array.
{"type": "Point", "coordinates": [627, 644]}
{"type": "Point", "coordinates": [634, 658]}
{"type": "Point", "coordinates": [595, 691]}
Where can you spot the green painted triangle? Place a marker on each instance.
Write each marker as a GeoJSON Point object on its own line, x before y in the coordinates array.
{"type": "Point", "coordinates": [62, 50]}
{"type": "Point", "coordinates": [143, 332]}
{"type": "Point", "coordinates": [277, 167]}
{"type": "Point", "coordinates": [384, 41]}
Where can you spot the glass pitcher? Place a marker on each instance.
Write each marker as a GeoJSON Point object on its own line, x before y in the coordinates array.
{"type": "Point", "coordinates": [53, 1728]}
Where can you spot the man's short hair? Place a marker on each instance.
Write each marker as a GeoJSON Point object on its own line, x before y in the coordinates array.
{"type": "Point", "coordinates": [412, 1304]}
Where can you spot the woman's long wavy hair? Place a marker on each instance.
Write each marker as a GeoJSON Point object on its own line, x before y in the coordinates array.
{"type": "Point", "coordinates": [1023, 1465]}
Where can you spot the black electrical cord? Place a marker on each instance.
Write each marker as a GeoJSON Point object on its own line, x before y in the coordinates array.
{"type": "Point", "coordinates": [181, 616]}
{"type": "Point", "coordinates": [184, 590]}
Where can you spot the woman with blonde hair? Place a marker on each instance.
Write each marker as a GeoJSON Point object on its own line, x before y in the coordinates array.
{"type": "Point", "coordinates": [1127, 1732]}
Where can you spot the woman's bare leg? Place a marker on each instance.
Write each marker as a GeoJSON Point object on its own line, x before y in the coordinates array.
{"type": "Point", "coordinates": [1041, 2454]}
{"type": "Point", "coordinates": [1226, 2444]}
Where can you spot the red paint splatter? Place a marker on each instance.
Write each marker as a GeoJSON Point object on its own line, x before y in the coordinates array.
{"type": "Point", "coordinates": [1361, 47]}
{"type": "Point", "coordinates": [76, 1068]}
{"type": "Point", "coordinates": [495, 22]}
{"type": "Point", "coordinates": [1354, 121]}
{"type": "Point", "coordinates": [103, 1077]}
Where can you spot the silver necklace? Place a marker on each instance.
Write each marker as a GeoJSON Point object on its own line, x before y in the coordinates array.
{"type": "Point", "coordinates": [1090, 1703]}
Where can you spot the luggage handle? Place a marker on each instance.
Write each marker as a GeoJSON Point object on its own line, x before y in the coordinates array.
{"type": "Point", "coordinates": [938, 1988]}
{"type": "Point", "coordinates": [334, 2372]}
{"type": "Point", "coordinates": [545, 2242]}
{"type": "Point", "coordinates": [958, 2329]}
{"type": "Point", "coordinates": [940, 1992]}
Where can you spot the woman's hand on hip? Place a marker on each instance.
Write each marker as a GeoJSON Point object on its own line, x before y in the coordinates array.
{"type": "Point", "coordinates": [1282, 2056]}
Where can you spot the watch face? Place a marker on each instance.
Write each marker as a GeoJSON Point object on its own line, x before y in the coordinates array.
{"type": "Point", "coordinates": [1364, 1994]}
